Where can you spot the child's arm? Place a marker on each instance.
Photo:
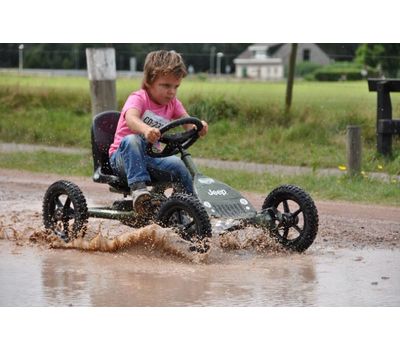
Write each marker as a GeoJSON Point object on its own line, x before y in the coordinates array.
{"type": "Point", "coordinates": [132, 117]}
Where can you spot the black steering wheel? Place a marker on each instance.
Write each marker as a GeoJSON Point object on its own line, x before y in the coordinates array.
{"type": "Point", "coordinates": [175, 142]}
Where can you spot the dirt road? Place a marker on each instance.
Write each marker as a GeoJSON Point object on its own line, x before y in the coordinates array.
{"type": "Point", "coordinates": [354, 260]}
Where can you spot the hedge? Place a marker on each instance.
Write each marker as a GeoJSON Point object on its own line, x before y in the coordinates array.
{"type": "Point", "coordinates": [337, 72]}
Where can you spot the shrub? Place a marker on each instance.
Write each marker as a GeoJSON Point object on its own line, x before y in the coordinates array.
{"type": "Point", "coordinates": [212, 108]}
{"type": "Point", "coordinates": [202, 76]}
{"type": "Point", "coordinates": [336, 75]}
{"type": "Point", "coordinates": [343, 71]}
{"type": "Point", "coordinates": [305, 68]}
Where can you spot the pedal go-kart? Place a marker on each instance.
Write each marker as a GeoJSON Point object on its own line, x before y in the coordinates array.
{"type": "Point", "coordinates": [288, 213]}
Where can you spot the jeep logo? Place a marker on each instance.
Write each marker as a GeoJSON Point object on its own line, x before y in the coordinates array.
{"type": "Point", "coordinates": [217, 192]}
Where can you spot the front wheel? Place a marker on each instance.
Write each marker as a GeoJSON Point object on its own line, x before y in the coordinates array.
{"type": "Point", "coordinates": [64, 210]}
{"type": "Point", "coordinates": [296, 217]}
{"type": "Point", "coordinates": [187, 215]}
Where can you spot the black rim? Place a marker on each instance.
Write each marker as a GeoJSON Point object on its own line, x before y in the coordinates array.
{"type": "Point", "coordinates": [187, 216]}
{"type": "Point", "coordinates": [290, 222]}
{"type": "Point", "coordinates": [62, 213]}
{"type": "Point", "coordinates": [183, 221]}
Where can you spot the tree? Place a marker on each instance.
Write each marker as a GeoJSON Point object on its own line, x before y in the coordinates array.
{"type": "Point", "coordinates": [73, 55]}
{"type": "Point", "coordinates": [369, 54]}
{"type": "Point", "coordinates": [383, 56]}
{"type": "Point", "coordinates": [391, 63]}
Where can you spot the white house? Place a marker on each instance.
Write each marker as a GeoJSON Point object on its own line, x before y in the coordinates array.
{"type": "Point", "coordinates": [267, 61]}
{"type": "Point", "coordinates": [255, 63]}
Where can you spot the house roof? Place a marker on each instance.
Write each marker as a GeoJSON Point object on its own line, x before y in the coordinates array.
{"type": "Point", "coordinates": [258, 61]}
{"type": "Point", "coordinates": [271, 49]}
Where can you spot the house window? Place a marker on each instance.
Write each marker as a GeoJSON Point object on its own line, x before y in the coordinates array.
{"type": "Point", "coordinates": [260, 54]}
{"type": "Point", "coordinates": [306, 55]}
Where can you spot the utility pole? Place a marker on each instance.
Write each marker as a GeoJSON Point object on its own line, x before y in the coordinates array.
{"type": "Point", "coordinates": [219, 58]}
{"type": "Point", "coordinates": [21, 58]}
{"type": "Point", "coordinates": [290, 79]}
{"type": "Point", "coordinates": [76, 58]}
{"type": "Point", "coordinates": [212, 55]}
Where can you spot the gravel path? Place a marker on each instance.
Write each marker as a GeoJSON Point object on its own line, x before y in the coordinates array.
{"type": "Point", "coordinates": [213, 163]}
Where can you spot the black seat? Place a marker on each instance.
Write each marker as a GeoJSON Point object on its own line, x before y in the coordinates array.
{"type": "Point", "coordinates": [102, 134]}
{"type": "Point", "coordinates": [103, 130]}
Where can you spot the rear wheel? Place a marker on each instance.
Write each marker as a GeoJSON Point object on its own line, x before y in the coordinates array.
{"type": "Point", "coordinates": [296, 217]}
{"type": "Point", "coordinates": [65, 210]}
{"type": "Point", "coordinates": [187, 215]}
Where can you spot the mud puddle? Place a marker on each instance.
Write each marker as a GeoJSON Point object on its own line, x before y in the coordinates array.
{"type": "Point", "coordinates": [160, 274]}
{"type": "Point", "coordinates": [353, 261]}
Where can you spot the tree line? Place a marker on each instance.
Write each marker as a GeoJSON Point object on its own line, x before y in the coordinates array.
{"type": "Point", "coordinates": [385, 57]}
{"type": "Point", "coordinates": [72, 56]}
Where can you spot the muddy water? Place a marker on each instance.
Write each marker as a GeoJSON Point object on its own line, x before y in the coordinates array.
{"type": "Point", "coordinates": [354, 260]}
{"type": "Point", "coordinates": [34, 275]}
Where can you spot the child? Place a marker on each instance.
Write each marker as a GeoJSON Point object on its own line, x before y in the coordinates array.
{"type": "Point", "coordinates": [144, 112]}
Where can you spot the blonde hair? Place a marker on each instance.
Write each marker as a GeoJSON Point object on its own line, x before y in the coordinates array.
{"type": "Point", "coordinates": [162, 62]}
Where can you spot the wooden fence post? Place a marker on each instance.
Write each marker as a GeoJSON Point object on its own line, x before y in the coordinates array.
{"type": "Point", "coordinates": [290, 79]}
{"type": "Point", "coordinates": [102, 74]}
{"type": "Point", "coordinates": [353, 149]}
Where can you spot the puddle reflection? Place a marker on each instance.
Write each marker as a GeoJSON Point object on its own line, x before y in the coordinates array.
{"type": "Point", "coordinates": [39, 277]}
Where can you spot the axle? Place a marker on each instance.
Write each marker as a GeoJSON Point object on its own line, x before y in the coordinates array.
{"type": "Point", "coordinates": [108, 213]}
{"type": "Point", "coordinates": [269, 218]}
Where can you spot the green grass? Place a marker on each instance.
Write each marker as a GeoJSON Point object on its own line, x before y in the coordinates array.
{"type": "Point", "coordinates": [320, 187]}
{"type": "Point", "coordinates": [47, 162]}
{"type": "Point", "coordinates": [358, 189]}
{"type": "Point", "coordinates": [247, 119]}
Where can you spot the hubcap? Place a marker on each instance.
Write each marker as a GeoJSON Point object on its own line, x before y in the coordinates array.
{"type": "Point", "coordinates": [289, 220]}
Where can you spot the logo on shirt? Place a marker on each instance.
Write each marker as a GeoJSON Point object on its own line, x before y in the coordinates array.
{"type": "Point", "coordinates": [153, 120]}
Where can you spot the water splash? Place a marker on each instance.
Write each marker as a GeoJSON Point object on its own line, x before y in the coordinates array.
{"type": "Point", "coordinates": [251, 239]}
{"type": "Point", "coordinates": [10, 233]}
{"type": "Point", "coordinates": [151, 238]}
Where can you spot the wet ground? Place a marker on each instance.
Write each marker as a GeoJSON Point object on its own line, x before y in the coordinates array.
{"type": "Point", "coordinates": [354, 261]}
{"type": "Point", "coordinates": [32, 276]}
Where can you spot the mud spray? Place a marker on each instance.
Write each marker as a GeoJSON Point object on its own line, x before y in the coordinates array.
{"type": "Point", "coordinates": [151, 239]}
{"type": "Point", "coordinates": [250, 239]}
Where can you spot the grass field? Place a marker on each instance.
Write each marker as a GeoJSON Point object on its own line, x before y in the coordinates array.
{"type": "Point", "coordinates": [247, 119]}
{"type": "Point", "coordinates": [357, 189]}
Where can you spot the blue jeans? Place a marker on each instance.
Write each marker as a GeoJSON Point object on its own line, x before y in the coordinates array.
{"type": "Point", "coordinates": [132, 159]}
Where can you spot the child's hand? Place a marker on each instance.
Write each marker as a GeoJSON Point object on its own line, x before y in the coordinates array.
{"type": "Point", "coordinates": [204, 131]}
{"type": "Point", "coordinates": [152, 135]}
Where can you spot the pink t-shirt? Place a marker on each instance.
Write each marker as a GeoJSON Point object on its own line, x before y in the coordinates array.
{"type": "Point", "coordinates": [151, 113]}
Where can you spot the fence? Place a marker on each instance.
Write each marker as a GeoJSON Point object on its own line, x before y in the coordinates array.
{"type": "Point", "coordinates": [386, 127]}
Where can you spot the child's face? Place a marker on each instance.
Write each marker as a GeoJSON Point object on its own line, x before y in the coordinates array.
{"type": "Point", "coordinates": [164, 88]}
